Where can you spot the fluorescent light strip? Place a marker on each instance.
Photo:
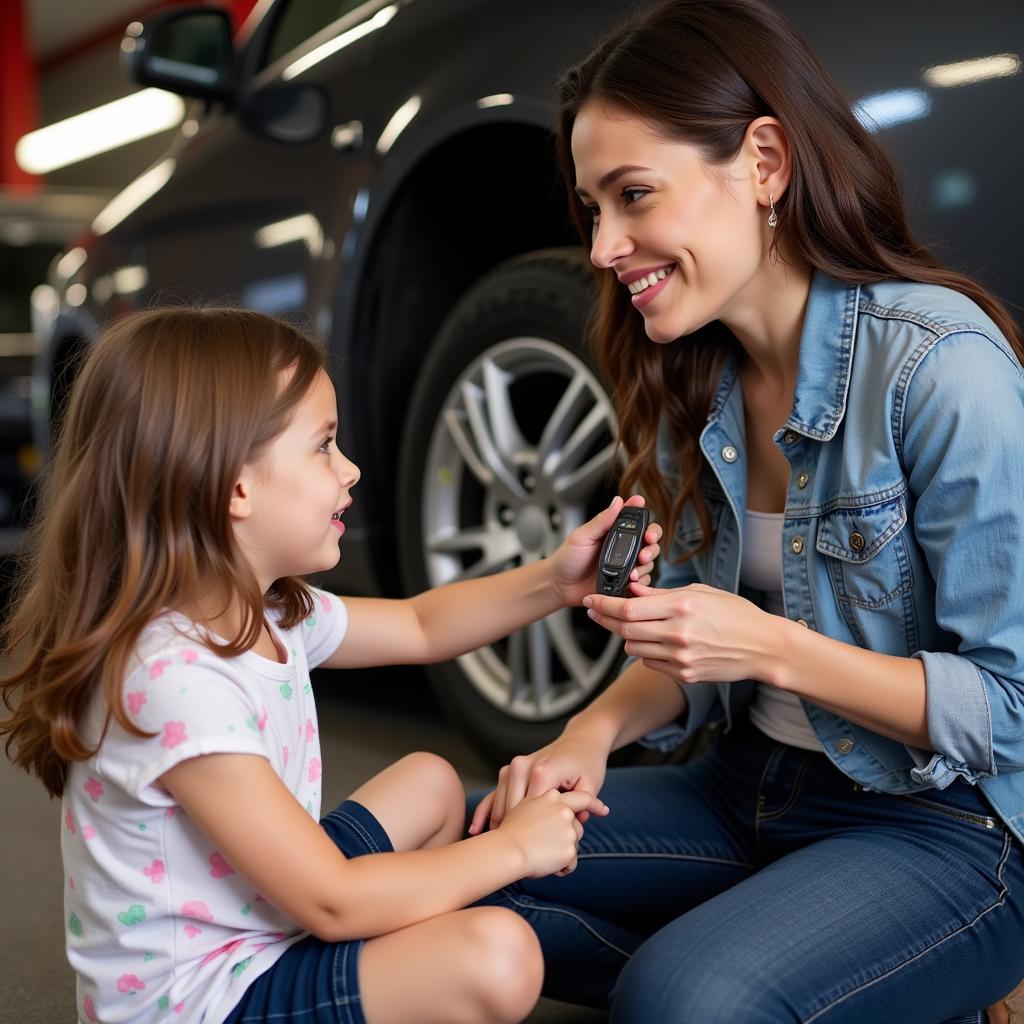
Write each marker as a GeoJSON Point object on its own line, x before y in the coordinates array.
{"type": "Point", "coordinates": [98, 130]}
{"type": "Point", "coordinates": [967, 72]}
{"type": "Point", "coordinates": [886, 109]}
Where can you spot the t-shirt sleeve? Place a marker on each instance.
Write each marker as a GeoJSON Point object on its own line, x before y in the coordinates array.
{"type": "Point", "coordinates": [324, 630]}
{"type": "Point", "coordinates": [195, 703]}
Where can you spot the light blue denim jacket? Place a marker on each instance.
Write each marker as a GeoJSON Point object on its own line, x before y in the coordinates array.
{"type": "Point", "coordinates": [903, 529]}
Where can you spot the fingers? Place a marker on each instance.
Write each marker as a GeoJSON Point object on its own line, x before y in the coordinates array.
{"type": "Point", "coordinates": [520, 772]}
{"type": "Point", "coordinates": [579, 800]}
{"type": "Point", "coordinates": [481, 814]}
{"type": "Point", "coordinates": [650, 607]}
{"type": "Point", "coordinates": [500, 796]}
{"type": "Point", "coordinates": [644, 630]}
{"type": "Point", "coordinates": [664, 667]}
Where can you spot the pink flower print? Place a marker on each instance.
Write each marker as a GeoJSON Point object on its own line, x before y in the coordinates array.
{"type": "Point", "coordinates": [314, 769]}
{"type": "Point", "coordinates": [189, 656]}
{"type": "Point", "coordinates": [310, 730]}
{"type": "Point", "coordinates": [156, 670]}
{"type": "Point", "coordinates": [180, 1008]}
{"type": "Point", "coordinates": [219, 867]}
{"type": "Point", "coordinates": [192, 930]}
{"type": "Point", "coordinates": [285, 754]}
{"type": "Point", "coordinates": [221, 952]}
{"type": "Point", "coordinates": [325, 602]}
{"type": "Point", "coordinates": [197, 909]}
{"type": "Point", "coordinates": [174, 733]}
{"type": "Point", "coordinates": [261, 722]}
{"type": "Point", "coordinates": [71, 881]}
{"type": "Point", "coordinates": [69, 821]}
{"type": "Point", "coordinates": [94, 788]}
{"type": "Point", "coordinates": [88, 832]}
{"type": "Point", "coordinates": [259, 899]}
{"type": "Point", "coordinates": [129, 983]}
{"type": "Point", "coordinates": [155, 871]}
{"type": "Point", "coordinates": [170, 812]}
{"type": "Point", "coordinates": [89, 1007]}
{"type": "Point", "coordinates": [135, 701]}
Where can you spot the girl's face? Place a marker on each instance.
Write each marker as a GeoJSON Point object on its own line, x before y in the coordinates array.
{"type": "Point", "coordinates": [282, 506]}
{"type": "Point", "coordinates": [660, 208]}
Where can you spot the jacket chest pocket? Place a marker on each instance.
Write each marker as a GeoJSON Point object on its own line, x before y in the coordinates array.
{"type": "Point", "coordinates": [866, 554]}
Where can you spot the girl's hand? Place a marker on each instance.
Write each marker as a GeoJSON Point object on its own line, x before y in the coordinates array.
{"type": "Point", "coordinates": [693, 634]}
{"type": "Point", "coordinates": [574, 562]}
{"type": "Point", "coordinates": [573, 762]}
{"type": "Point", "coordinates": [546, 831]}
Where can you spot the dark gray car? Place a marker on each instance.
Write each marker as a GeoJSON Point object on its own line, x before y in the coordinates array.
{"type": "Point", "coordinates": [387, 169]}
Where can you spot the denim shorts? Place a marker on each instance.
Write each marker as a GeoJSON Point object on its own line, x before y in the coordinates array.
{"type": "Point", "coordinates": [317, 981]}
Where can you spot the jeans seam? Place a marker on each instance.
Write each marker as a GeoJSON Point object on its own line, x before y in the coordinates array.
{"type": "Point", "coordinates": [794, 794]}
{"type": "Point", "coordinates": [567, 913]}
{"type": "Point", "coordinates": [964, 927]}
{"type": "Point", "coordinates": [672, 856]}
{"type": "Point", "coordinates": [985, 821]}
{"type": "Point", "coordinates": [357, 827]}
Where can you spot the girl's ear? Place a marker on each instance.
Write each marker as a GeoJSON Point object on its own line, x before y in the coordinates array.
{"type": "Point", "coordinates": [240, 506]}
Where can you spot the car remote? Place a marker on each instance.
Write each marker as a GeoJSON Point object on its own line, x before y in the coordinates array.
{"type": "Point", "coordinates": [620, 550]}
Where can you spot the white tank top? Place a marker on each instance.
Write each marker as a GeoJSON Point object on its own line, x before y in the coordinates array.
{"type": "Point", "coordinates": [775, 712]}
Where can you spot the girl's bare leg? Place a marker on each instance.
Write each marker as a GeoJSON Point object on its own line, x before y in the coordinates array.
{"type": "Point", "coordinates": [482, 965]}
{"type": "Point", "coordinates": [471, 966]}
{"type": "Point", "coordinates": [419, 801]}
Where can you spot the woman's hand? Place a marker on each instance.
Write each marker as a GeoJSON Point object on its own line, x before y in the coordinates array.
{"type": "Point", "coordinates": [574, 562]}
{"type": "Point", "coordinates": [576, 761]}
{"type": "Point", "coordinates": [693, 634]}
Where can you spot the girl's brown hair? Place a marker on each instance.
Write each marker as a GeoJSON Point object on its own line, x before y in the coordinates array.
{"type": "Point", "coordinates": [699, 73]}
{"type": "Point", "coordinates": [133, 515]}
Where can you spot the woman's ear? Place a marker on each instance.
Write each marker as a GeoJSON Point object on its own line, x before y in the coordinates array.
{"type": "Point", "coordinates": [767, 146]}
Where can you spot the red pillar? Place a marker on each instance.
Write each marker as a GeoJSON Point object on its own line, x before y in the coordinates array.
{"type": "Point", "coordinates": [240, 10]}
{"type": "Point", "coordinates": [18, 109]}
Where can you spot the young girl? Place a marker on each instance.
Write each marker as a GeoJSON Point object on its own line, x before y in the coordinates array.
{"type": "Point", "coordinates": [163, 645]}
{"type": "Point", "coordinates": [834, 422]}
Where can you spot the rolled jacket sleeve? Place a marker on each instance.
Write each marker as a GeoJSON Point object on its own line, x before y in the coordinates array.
{"type": "Point", "coordinates": [963, 425]}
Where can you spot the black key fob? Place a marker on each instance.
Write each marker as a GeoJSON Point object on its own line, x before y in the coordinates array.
{"type": "Point", "coordinates": [620, 550]}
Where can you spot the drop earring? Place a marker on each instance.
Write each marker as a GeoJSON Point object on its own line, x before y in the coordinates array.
{"type": "Point", "coordinates": [773, 217]}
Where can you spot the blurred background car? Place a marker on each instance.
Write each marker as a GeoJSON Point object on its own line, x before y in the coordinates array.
{"type": "Point", "coordinates": [384, 173]}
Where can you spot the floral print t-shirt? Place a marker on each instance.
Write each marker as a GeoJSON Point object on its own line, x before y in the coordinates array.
{"type": "Point", "coordinates": [160, 927]}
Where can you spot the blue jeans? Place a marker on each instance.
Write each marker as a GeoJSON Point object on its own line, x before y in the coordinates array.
{"type": "Point", "coordinates": [759, 883]}
{"type": "Point", "coordinates": [317, 982]}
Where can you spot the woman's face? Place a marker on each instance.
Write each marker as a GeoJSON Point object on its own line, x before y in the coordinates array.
{"type": "Point", "coordinates": [699, 228]}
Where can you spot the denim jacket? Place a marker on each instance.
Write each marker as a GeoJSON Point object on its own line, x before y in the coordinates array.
{"type": "Point", "coordinates": [903, 529]}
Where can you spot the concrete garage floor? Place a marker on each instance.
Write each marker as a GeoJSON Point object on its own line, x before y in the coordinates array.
{"type": "Point", "coordinates": [367, 720]}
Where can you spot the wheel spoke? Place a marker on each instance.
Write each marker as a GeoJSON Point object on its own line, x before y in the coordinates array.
{"type": "Point", "coordinates": [540, 664]}
{"type": "Point", "coordinates": [565, 415]}
{"type": "Point", "coordinates": [578, 485]}
{"type": "Point", "coordinates": [559, 627]}
{"type": "Point", "coordinates": [579, 442]}
{"type": "Point", "coordinates": [500, 414]}
{"type": "Point", "coordinates": [499, 547]}
{"type": "Point", "coordinates": [454, 423]}
{"type": "Point", "coordinates": [473, 402]}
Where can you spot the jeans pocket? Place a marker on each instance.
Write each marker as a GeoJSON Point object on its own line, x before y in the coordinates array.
{"type": "Point", "coordinates": [950, 810]}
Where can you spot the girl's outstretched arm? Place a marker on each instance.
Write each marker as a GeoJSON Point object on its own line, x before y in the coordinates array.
{"type": "Point", "coordinates": [450, 620]}
{"type": "Point", "coordinates": [242, 806]}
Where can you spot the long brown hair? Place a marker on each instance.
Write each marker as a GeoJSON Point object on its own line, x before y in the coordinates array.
{"type": "Point", "coordinates": [699, 73]}
{"type": "Point", "coordinates": [168, 407]}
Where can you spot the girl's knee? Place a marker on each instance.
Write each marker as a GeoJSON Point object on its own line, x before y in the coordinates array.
{"type": "Point", "coordinates": [507, 959]}
{"type": "Point", "coordinates": [434, 773]}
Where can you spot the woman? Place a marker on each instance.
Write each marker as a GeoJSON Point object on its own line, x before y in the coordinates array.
{"type": "Point", "coordinates": [829, 425]}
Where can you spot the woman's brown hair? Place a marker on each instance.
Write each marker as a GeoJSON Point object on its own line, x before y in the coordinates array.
{"type": "Point", "coordinates": [133, 518]}
{"type": "Point", "coordinates": [699, 73]}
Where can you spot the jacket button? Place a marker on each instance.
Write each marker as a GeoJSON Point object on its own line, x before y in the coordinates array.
{"type": "Point", "coordinates": [844, 746]}
{"type": "Point", "coordinates": [802, 622]}
{"type": "Point", "coordinates": [789, 437]}
{"type": "Point", "coordinates": [801, 480]}
{"type": "Point", "coordinates": [729, 453]}
{"type": "Point", "coordinates": [797, 544]}
{"type": "Point", "coordinates": [857, 541]}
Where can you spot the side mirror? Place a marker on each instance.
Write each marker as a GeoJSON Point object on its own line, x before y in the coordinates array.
{"type": "Point", "coordinates": [187, 51]}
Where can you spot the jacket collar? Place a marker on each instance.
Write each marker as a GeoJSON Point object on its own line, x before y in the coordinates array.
{"type": "Point", "coordinates": [825, 360]}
